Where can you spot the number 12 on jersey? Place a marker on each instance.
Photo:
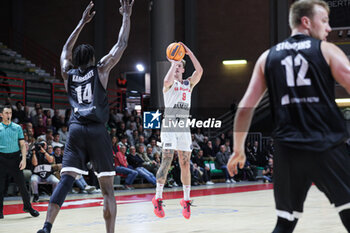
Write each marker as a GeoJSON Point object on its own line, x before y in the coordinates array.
{"type": "Point", "coordinates": [289, 64]}
{"type": "Point", "coordinates": [84, 95]}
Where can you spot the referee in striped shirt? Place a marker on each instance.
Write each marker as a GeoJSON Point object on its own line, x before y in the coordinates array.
{"type": "Point", "coordinates": [11, 146]}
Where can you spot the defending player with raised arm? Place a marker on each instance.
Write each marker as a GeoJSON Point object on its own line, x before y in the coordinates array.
{"type": "Point", "coordinates": [177, 101]}
{"type": "Point", "coordinates": [86, 85]}
{"type": "Point", "coordinates": [310, 131]}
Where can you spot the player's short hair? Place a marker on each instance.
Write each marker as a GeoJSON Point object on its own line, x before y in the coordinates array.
{"type": "Point", "coordinates": [83, 54]}
{"type": "Point", "coordinates": [304, 8]}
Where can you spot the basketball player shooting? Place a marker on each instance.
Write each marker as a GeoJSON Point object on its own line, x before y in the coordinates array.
{"type": "Point", "coordinates": [88, 138]}
{"type": "Point", "coordinates": [177, 100]}
{"type": "Point", "coordinates": [299, 74]}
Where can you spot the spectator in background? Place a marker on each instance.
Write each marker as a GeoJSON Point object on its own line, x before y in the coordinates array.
{"type": "Point", "coordinates": [268, 171]}
{"type": "Point", "coordinates": [149, 153]}
{"type": "Point", "coordinates": [198, 136]}
{"type": "Point", "coordinates": [63, 132]}
{"type": "Point", "coordinates": [228, 145]}
{"type": "Point", "coordinates": [222, 139]}
{"type": "Point", "coordinates": [149, 164]}
{"type": "Point", "coordinates": [49, 125]}
{"type": "Point", "coordinates": [19, 116]}
{"type": "Point", "coordinates": [42, 173]}
{"type": "Point", "coordinates": [113, 132]}
{"type": "Point", "coordinates": [124, 142]}
{"type": "Point", "coordinates": [270, 149]}
{"type": "Point", "coordinates": [40, 129]}
{"type": "Point", "coordinates": [133, 138]}
{"type": "Point", "coordinates": [115, 144]}
{"type": "Point", "coordinates": [155, 147]}
{"type": "Point", "coordinates": [37, 116]}
{"type": "Point", "coordinates": [50, 150]}
{"type": "Point", "coordinates": [56, 119]}
{"type": "Point", "coordinates": [56, 140]}
{"type": "Point", "coordinates": [121, 130]}
{"type": "Point", "coordinates": [119, 116]}
{"type": "Point", "coordinates": [27, 114]}
{"type": "Point", "coordinates": [121, 167]}
{"type": "Point", "coordinates": [57, 165]}
{"type": "Point", "coordinates": [83, 186]}
{"type": "Point", "coordinates": [34, 112]}
{"type": "Point", "coordinates": [195, 145]}
{"type": "Point", "coordinates": [198, 161]}
{"type": "Point", "coordinates": [208, 151]}
{"type": "Point", "coordinates": [147, 133]}
{"type": "Point", "coordinates": [216, 146]}
{"type": "Point", "coordinates": [48, 137]}
{"type": "Point", "coordinates": [222, 158]}
{"type": "Point", "coordinates": [141, 141]}
{"type": "Point", "coordinates": [112, 122]}
{"type": "Point", "coordinates": [138, 164]}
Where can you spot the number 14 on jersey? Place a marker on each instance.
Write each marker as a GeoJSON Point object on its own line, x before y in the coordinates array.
{"type": "Point", "coordinates": [84, 95]}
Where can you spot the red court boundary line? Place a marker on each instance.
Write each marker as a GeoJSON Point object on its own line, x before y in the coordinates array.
{"type": "Point", "coordinates": [134, 198]}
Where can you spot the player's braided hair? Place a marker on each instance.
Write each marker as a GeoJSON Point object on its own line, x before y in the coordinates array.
{"type": "Point", "coordinates": [83, 54]}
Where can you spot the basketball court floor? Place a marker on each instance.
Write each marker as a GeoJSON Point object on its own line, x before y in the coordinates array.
{"type": "Point", "coordinates": [242, 207]}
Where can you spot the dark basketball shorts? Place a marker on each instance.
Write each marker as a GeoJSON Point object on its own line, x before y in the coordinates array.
{"type": "Point", "coordinates": [88, 143]}
{"type": "Point", "coordinates": [295, 170]}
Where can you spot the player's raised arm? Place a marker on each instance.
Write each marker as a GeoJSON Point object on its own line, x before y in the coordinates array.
{"type": "Point", "coordinates": [112, 58]}
{"type": "Point", "coordinates": [244, 115]}
{"type": "Point", "coordinates": [170, 76]}
{"type": "Point", "coordinates": [66, 55]}
{"type": "Point", "coordinates": [198, 70]}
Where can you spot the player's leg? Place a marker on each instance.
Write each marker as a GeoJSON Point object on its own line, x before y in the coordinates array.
{"type": "Point", "coordinates": [109, 203]}
{"type": "Point", "coordinates": [57, 199]}
{"type": "Point", "coordinates": [167, 158]}
{"type": "Point", "coordinates": [184, 160]}
{"type": "Point", "coordinates": [330, 173]}
{"type": "Point", "coordinates": [291, 185]}
{"type": "Point", "coordinates": [157, 200]}
{"type": "Point", "coordinates": [73, 164]}
{"type": "Point", "coordinates": [101, 156]}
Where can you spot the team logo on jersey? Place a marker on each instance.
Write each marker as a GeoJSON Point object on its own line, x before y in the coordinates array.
{"type": "Point", "coordinates": [151, 120]}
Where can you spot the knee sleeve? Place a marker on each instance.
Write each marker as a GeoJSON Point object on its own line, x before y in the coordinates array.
{"type": "Point", "coordinates": [62, 189]}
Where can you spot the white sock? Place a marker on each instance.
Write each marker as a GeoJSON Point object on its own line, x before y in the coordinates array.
{"type": "Point", "coordinates": [159, 190]}
{"type": "Point", "coordinates": [187, 189]}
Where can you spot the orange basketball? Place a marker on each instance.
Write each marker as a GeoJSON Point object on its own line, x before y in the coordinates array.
{"type": "Point", "coordinates": [175, 51]}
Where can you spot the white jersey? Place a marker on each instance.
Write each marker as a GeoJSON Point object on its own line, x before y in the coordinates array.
{"type": "Point", "coordinates": [177, 100]}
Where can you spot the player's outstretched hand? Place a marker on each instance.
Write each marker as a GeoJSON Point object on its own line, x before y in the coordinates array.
{"type": "Point", "coordinates": [126, 7]}
{"type": "Point", "coordinates": [236, 159]}
{"type": "Point", "coordinates": [87, 17]}
{"type": "Point", "coordinates": [187, 50]}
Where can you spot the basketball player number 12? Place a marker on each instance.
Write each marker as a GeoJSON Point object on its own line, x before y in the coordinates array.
{"type": "Point", "coordinates": [84, 96]}
{"type": "Point", "coordinates": [299, 60]}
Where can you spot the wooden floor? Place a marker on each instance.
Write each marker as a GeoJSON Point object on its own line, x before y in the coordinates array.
{"type": "Point", "coordinates": [243, 212]}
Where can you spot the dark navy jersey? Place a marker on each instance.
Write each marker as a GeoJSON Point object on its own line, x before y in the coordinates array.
{"type": "Point", "coordinates": [301, 92]}
{"type": "Point", "coordinates": [87, 96]}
